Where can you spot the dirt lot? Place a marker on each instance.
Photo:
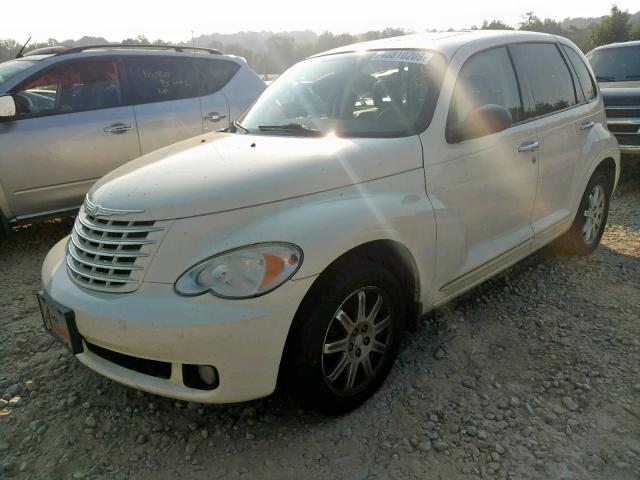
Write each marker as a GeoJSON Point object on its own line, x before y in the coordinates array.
{"type": "Point", "coordinates": [535, 374]}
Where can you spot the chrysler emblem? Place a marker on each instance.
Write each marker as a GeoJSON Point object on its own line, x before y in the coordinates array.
{"type": "Point", "coordinates": [96, 210]}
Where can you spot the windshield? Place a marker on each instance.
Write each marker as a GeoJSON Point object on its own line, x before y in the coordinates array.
{"type": "Point", "coordinates": [616, 64]}
{"type": "Point", "coordinates": [10, 69]}
{"type": "Point", "coordinates": [379, 93]}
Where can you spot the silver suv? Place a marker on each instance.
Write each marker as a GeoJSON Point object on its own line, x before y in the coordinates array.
{"type": "Point", "coordinates": [69, 117]}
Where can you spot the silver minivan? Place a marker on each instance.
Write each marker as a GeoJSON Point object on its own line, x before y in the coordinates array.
{"type": "Point", "coordinates": [70, 116]}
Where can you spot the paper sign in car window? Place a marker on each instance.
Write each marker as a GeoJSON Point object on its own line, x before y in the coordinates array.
{"type": "Point", "coordinates": [408, 56]}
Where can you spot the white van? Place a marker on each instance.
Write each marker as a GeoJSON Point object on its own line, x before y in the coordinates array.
{"type": "Point", "coordinates": [366, 186]}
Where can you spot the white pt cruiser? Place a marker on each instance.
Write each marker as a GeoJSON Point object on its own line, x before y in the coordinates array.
{"type": "Point", "coordinates": [365, 187]}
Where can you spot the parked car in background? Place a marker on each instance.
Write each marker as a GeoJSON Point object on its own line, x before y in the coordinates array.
{"type": "Point", "coordinates": [72, 115]}
{"type": "Point", "coordinates": [366, 186]}
{"type": "Point", "coordinates": [617, 69]}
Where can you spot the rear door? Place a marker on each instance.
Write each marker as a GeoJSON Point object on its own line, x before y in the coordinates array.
{"type": "Point", "coordinates": [164, 93]}
{"type": "Point", "coordinates": [563, 122]}
{"type": "Point", "coordinates": [72, 128]}
{"type": "Point", "coordinates": [213, 75]}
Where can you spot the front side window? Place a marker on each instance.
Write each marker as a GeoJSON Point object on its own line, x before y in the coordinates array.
{"type": "Point", "coordinates": [366, 94]}
{"type": "Point", "coordinates": [487, 78]}
{"type": "Point", "coordinates": [549, 76]}
{"type": "Point", "coordinates": [582, 72]}
{"type": "Point", "coordinates": [70, 87]}
{"type": "Point", "coordinates": [160, 79]}
{"type": "Point", "coordinates": [616, 64]}
{"type": "Point", "coordinates": [215, 74]}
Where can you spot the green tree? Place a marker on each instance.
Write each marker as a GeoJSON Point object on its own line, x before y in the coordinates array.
{"type": "Point", "coordinates": [533, 23]}
{"type": "Point", "coordinates": [613, 28]}
{"type": "Point", "coordinates": [495, 24]}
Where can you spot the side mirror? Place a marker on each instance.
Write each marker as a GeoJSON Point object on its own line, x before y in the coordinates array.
{"type": "Point", "coordinates": [7, 107]}
{"type": "Point", "coordinates": [481, 121]}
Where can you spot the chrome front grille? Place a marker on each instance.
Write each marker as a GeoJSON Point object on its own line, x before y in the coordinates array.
{"type": "Point", "coordinates": [111, 255]}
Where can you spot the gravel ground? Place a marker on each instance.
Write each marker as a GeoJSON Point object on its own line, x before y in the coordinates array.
{"type": "Point", "coordinates": [535, 374]}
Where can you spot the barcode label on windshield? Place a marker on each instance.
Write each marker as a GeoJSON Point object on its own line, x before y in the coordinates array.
{"type": "Point", "coordinates": [408, 56]}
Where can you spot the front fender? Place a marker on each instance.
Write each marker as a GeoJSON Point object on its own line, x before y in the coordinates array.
{"type": "Point", "coordinates": [324, 225]}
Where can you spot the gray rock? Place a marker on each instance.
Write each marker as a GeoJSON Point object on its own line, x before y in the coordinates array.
{"type": "Point", "coordinates": [440, 445]}
{"type": "Point", "coordinates": [424, 445]}
{"type": "Point", "coordinates": [499, 449]}
{"type": "Point", "coordinates": [570, 404]}
{"type": "Point", "coordinates": [190, 448]}
{"type": "Point", "coordinates": [439, 354]}
{"type": "Point", "coordinates": [90, 422]}
{"type": "Point", "coordinates": [4, 446]}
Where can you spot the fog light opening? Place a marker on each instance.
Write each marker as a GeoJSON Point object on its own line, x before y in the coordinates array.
{"type": "Point", "coordinates": [202, 377]}
{"type": "Point", "coordinates": [208, 374]}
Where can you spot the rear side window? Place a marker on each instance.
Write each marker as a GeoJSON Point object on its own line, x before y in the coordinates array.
{"type": "Point", "coordinates": [582, 72]}
{"type": "Point", "coordinates": [161, 79]}
{"type": "Point", "coordinates": [487, 78]}
{"type": "Point", "coordinates": [549, 76]}
{"type": "Point", "coordinates": [70, 87]}
{"type": "Point", "coordinates": [215, 74]}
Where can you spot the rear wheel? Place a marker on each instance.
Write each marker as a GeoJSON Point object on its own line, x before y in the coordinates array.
{"type": "Point", "coordinates": [345, 337]}
{"type": "Point", "coordinates": [588, 226]}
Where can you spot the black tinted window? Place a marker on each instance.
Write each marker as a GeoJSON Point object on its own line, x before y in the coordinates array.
{"type": "Point", "coordinates": [582, 72]}
{"type": "Point", "coordinates": [70, 87]}
{"type": "Point", "coordinates": [616, 64]}
{"type": "Point", "coordinates": [215, 74]}
{"type": "Point", "coordinates": [160, 79]}
{"type": "Point", "coordinates": [549, 77]}
{"type": "Point", "coordinates": [486, 78]}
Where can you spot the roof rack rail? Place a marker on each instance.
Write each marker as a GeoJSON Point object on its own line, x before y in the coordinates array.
{"type": "Point", "coordinates": [110, 46]}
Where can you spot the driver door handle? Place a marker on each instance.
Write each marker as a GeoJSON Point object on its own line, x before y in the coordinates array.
{"type": "Point", "coordinates": [587, 125]}
{"type": "Point", "coordinates": [215, 117]}
{"type": "Point", "coordinates": [117, 128]}
{"type": "Point", "coordinates": [529, 146]}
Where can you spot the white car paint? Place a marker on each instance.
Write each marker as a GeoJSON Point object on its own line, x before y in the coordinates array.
{"type": "Point", "coordinates": [464, 212]}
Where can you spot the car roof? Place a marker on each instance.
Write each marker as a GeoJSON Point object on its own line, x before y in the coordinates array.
{"type": "Point", "coordinates": [447, 43]}
{"type": "Point", "coordinates": [632, 43]}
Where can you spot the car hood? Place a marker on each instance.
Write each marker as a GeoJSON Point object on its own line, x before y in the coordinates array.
{"type": "Point", "coordinates": [221, 172]}
{"type": "Point", "coordinates": [621, 94]}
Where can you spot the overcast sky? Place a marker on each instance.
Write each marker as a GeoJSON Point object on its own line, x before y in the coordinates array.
{"type": "Point", "coordinates": [174, 21]}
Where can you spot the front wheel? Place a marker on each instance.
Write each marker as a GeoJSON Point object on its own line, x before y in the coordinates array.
{"type": "Point", "coordinates": [345, 337]}
{"type": "Point", "coordinates": [588, 226]}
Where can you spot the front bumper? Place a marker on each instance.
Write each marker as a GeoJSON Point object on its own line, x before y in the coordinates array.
{"type": "Point", "coordinates": [242, 339]}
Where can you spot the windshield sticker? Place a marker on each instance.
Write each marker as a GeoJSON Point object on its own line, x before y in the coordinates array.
{"type": "Point", "coordinates": [408, 56]}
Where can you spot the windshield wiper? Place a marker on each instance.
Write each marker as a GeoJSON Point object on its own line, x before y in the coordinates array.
{"type": "Point", "coordinates": [633, 77]}
{"type": "Point", "coordinates": [605, 78]}
{"type": "Point", "coordinates": [292, 128]}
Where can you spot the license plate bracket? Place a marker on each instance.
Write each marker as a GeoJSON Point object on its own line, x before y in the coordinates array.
{"type": "Point", "coordinates": [60, 322]}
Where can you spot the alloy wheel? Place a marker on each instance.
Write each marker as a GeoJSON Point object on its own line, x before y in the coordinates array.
{"type": "Point", "coordinates": [356, 341]}
{"type": "Point", "coordinates": [593, 215]}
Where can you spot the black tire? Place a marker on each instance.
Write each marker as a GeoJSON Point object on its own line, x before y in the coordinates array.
{"type": "Point", "coordinates": [573, 241]}
{"type": "Point", "coordinates": [308, 367]}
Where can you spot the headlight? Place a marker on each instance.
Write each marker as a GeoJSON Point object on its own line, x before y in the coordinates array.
{"type": "Point", "coordinates": [245, 272]}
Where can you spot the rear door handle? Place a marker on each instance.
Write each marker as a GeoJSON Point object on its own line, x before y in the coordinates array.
{"type": "Point", "coordinates": [117, 128]}
{"type": "Point", "coordinates": [587, 125]}
{"type": "Point", "coordinates": [529, 146]}
{"type": "Point", "coordinates": [215, 117]}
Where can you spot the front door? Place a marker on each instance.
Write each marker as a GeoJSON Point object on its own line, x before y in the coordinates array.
{"type": "Point", "coordinates": [70, 130]}
{"type": "Point", "coordinates": [484, 189]}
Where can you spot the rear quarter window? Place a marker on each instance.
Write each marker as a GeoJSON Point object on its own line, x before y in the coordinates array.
{"type": "Point", "coordinates": [582, 72]}
{"type": "Point", "coordinates": [215, 74]}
